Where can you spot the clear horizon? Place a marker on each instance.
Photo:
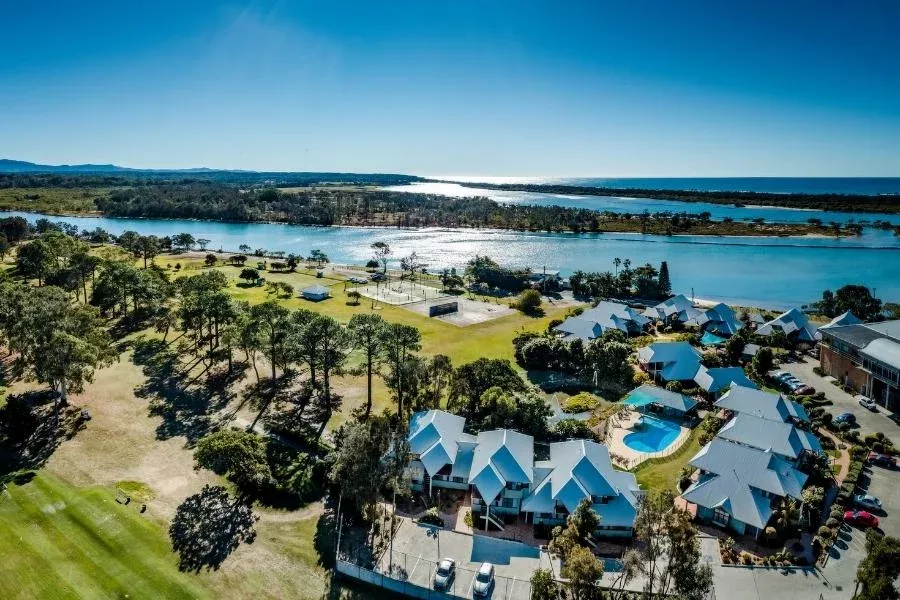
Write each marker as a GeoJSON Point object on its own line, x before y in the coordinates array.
{"type": "Point", "coordinates": [501, 90]}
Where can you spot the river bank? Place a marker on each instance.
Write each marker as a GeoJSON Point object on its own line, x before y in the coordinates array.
{"type": "Point", "coordinates": [767, 272]}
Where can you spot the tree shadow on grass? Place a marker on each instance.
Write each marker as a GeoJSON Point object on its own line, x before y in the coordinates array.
{"type": "Point", "coordinates": [29, 432]}
{"type": "Point", "coordinates": [208, 527]}
{"type": "Point", "coordinates": [186, 400]}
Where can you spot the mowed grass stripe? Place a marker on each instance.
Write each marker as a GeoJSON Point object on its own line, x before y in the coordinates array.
{"type": "Point", "coordinates": [96, 545]}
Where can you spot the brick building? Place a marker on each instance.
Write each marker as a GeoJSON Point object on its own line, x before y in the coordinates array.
{"type": "Point", "coordinates": [866, 358]}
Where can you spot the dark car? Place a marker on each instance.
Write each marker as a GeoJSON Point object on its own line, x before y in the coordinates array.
{"type": "Point", "coordinates": [882, 460]}
{"type": "Point", "coordinates": [845, 417]}
{"type": "Point", "coordinates": [861, 518]}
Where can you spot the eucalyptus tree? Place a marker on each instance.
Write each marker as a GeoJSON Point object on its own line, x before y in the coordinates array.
{"type": "Point", "coordinates": [35, 260]}
{"type": "Point", "coordinates": [366, 331]}
{"type": "Point", "coordinates": [399, 342]}
{"type": "Point", "coordinates": [56, 343]}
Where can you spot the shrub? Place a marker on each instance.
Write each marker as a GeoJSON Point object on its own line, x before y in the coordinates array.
{"type": "Point", "coordinates": [581, 402]}
{"type": "Point", "coordinates": [467, 519]}
{"type": "Point", "coordinates": [674, 386]}
{"type": "Point", "coordinates": [824, 532]}
{"type": "Point", "coordinates": [831, 523]}
{"type": "Point", "coordinates": [529, 301]}
{"type": "Point", "coordinates": [640, 378]}
{"type": "Point", "coordinates": [746, 558]}
{"type": "Point", "coordinates": [836, 513]}
{"type": "Point", "coordinates": [819, 371]}
{"type": "Point", "coordinates": [432, 517]}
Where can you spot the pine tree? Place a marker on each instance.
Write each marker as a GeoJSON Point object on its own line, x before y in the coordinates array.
{"type": "Point", "coordinates": [665, 284]}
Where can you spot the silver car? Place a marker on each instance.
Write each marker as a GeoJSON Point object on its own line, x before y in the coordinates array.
{"type": "Point", "coordinates": [484, 580]}
{"type": "Point", "coordinates": [867, 403]}
{"type": "Point", "coordinates": [444, 574]}
{"type": "Point", "coordinates": [868, 502]}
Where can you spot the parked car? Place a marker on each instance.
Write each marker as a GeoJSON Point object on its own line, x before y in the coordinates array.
{"type": "Point", "coordinates": [443, 576]}
{"type": "Point", "coordinates": [861, 518]}
{"type": "Point", "coordinates": [805, 390]}
{"type": "Point", "coordinates": [377, 276]}
{"type": "Point", "coordinates": [882, 460]}
{"type": "Point", "coordinates": [868, 502]}
{"type": "Point", "coordinates": [866, 402]}
{"type": "Point", "coordinates": [845, 417]}
{"type": "Point", "coordinates": [484, 580]}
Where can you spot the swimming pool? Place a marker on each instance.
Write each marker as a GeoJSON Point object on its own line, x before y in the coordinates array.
{"type": "Point", "coordinates": [654, 436]}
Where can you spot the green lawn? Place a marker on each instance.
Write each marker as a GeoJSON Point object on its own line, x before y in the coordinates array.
{"type": "Point", "coordinates": [57, 541]}
{"type": "Point", "coordinates": [662, 473]}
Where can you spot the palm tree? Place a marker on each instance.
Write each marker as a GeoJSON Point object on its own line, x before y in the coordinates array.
{"type": "Point", "coordinates": [787, 516]}
{"type": "Point", "coordinates": [617, 261]}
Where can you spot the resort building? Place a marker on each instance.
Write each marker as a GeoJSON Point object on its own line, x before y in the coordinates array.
{"type": "Point", "coordinates": [670, 361]}
{"type": "Point", "coordinates": [502, 472]}
{"type": "Point", "coordinates": [505, 482]}
{"type": "Point", "coordinates": [866, 358]}
{"type": "Point", "coordinates": [783, 439]}
{"type": "Point", "coordinates": [717, 380]}
{"type": "Point", "coordinates": [719, 319]}
{"type": "Point", "coordinates": [794, 324]}
{"type": "Point", "coordinates": [606, 315]}
{"type": "Point", "coordinates": [740, 487]}
{"type": "Point", "coordinates": [764, 405]}
{"type": "Point", "coordinates": [842, 320]}
{"type": "Point", "coordinates": [676, 308]}
{"type": "Point", "coordinates": [580, 469]}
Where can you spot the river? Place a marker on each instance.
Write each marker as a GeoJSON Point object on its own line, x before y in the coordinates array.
{"type": "Point", "coordinates": [769, 272]}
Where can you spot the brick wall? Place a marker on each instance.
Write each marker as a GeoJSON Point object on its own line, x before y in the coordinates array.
{"type": "Point", "coordinates": [842, 368]}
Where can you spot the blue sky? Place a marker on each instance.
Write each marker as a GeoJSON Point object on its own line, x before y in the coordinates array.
{"type": "Point", "coordinates": [631, 88]}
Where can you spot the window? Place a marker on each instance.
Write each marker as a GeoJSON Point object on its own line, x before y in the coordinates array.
{"type": "Point", "coordinates": [513, 486]}
{"type": "Point", "coordinates": [459, 479]}
{"type": "Point", "coordinates": [600, 499]}
{"type": "Point", "coordinates": [720, 517]}
{"type": "Point", "coordinates": [510, 503]}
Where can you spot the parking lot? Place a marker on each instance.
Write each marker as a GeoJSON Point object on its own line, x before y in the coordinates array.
{"type": "Point", "coordinates": [850, 548]}
{"type": "Point", "coordinates": [418, 549]}
{"type": "Point", "coordinates": [869, 421]}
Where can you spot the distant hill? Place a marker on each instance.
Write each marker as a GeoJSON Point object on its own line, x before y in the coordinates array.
{"type": "Point", "coordinates": [21, 166]}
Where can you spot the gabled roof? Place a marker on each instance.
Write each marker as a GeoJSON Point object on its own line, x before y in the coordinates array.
{"type": "Point", "coordinates": [781, 438]}
{"type": "Point", "coordinates": [791, 322]}
{"type": "Point", "coordinates": [651, 394]}
{"type": "Point", "coordinates": [717, 379]}
{"type": "Point", "coordinates": [434, 435]}
{"type": "Point", "coordinates": [847, 318]}
{"type": "Point", "coordinates": [581, 469]}
{"type": "Point", "coordinates": [765, 405]}
{"type": "Point", "coordinates": [606, 315]}
{"type": "Point", "coordinates": [720, 318]}
{"type": "Point", "coordinates": [501, 456]}
{"type": "Point", "coordinates": [680, 359]}
{"type": "Point", "coordinates": [580, 328]}
{"type": "Point", "coordinates": [678, 307]}
{"type": "Point", "coordinates": [739, 476]}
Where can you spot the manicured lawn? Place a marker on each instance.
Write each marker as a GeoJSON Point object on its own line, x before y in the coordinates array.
{"type": "Point", "coordinates": [662, 474]}
{"type": "Point", "coordinates": [57, 541]}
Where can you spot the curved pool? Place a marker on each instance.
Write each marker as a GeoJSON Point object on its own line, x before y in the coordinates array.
{"type": "Point", "coordinates": [655, 435]}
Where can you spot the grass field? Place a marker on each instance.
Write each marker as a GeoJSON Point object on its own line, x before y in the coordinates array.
{"type": "Point", "coordinates": [52, 200]}
{"type": "Point", "coordinates": [63, 535]}
{"type": "Point", "coordinates": [57, 541]}
{"type": "Point", "coordinates": [663, 473]}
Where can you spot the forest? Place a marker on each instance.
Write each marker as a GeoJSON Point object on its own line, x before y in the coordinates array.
{"type": "Point", "coordinates": [885, 203]}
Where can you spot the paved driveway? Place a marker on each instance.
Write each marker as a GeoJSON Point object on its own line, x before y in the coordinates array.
{"type": "Point", "coordinates": [417, 551]}
{"type": "Point", "coordinates": [850, 548]}
{"type": "Point", "coordinates": [869, 421]}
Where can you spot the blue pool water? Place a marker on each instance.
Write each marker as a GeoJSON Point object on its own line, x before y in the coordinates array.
{"type": "Point", "coordinates": [711, 339]}
{"type": "Point", "coordinates": [655, 435]}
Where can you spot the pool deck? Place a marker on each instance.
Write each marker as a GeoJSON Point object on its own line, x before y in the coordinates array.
{"type": "Point", "coordinates": [627, 458]}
